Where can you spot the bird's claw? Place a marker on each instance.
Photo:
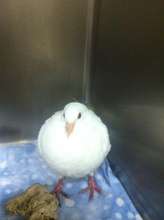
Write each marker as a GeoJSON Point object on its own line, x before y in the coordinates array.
{"type": "Point", "coordinates": [58, 190]}
{"type": "Point", "coordinates": [92, 187]}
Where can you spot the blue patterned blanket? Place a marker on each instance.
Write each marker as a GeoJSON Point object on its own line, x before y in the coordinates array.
{"type": "Point", "coordinates": [21, 166]}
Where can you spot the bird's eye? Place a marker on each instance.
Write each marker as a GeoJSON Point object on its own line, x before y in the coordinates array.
{"type": "Point", "coordinates": [79, 115]}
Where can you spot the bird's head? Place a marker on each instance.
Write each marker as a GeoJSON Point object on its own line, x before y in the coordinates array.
{"type": "Point", "coordinates": [73, 113]}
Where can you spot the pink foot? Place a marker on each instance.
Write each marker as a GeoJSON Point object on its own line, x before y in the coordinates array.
{"type": "Point", "coordinates": [92, 187]}
{"type": "Point", "coordinates": [58, 189]}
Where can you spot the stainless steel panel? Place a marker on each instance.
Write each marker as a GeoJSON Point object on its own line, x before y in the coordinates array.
{"type": "Point", "coordinates": [127, 88]}
{"type": "Point", "coordinates": [41, 61]}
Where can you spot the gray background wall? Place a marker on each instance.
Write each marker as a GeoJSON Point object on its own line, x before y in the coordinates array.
{"type": "Point", "coordinates": [41, 61]}
{"type": "Point", "coordinates": [127, 88]}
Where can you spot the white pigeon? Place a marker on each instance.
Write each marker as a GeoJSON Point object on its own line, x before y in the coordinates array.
{"type": "Point", "coordinates": [74, 142]}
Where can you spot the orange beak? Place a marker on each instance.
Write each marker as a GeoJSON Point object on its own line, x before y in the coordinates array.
{"type": "Point", "coordinates": [69, 128]}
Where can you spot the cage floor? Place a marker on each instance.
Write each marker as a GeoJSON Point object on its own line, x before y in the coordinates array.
{"type": "Point", "coordinates": [21, 166]}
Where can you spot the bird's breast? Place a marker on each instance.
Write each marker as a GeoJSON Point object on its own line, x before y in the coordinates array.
{"type": "Point", "coordinates": [73, 156]}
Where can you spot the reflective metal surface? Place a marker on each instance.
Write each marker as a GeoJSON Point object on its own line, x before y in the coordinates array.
{"type": "Point", "coordinates": [127, 89]}
{"type": "Point", "coordinates": [41, 61]}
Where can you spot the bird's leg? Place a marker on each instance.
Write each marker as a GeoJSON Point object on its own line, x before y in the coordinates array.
{"type": "Point", "coordinates": [58, 188]}
{"type": "Point", "coordinates": [92, 187]}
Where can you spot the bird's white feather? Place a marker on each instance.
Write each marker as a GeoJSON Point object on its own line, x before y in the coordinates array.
{"type": "Point", "coordinates": [82, 152]}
